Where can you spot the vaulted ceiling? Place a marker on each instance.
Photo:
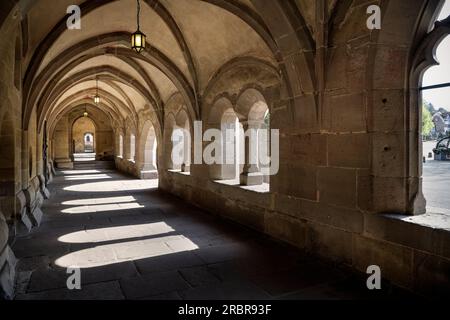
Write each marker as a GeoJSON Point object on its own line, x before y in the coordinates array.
{"type": "Point", "coordinates": [189, 41]}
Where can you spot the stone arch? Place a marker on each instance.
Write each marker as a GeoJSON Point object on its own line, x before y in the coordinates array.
{"type": "Point", "coordinates": [252, 104]}
{"type": "Point", "coordinates": [222, 116]}
{"type": "Point", "coordinates": [241, 73]}
{"type": "Point", "coordinates": [80, 127]}
{"type": "Point", "coordinates": [97, 46]}
{"type": "Point", "coordinates": [106, 73]}
{"type": "Point", "coordinates": [398, 62]}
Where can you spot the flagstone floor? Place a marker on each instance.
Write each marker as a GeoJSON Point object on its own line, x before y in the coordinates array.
{"type": "Point", "coordinates": [131, 241]}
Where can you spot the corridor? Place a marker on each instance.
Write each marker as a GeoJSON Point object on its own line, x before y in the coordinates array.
{"type": "Point", "coordinates": [133, 242]}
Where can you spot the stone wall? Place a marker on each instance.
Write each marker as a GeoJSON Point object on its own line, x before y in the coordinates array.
{"type": "Point", "coordinates": [342, 152]}
{"type": "Point", "coordinates": [11, 196]}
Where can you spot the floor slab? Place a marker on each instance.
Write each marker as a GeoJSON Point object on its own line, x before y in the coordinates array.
{"type": "Point", "coordinates": [131, 241]}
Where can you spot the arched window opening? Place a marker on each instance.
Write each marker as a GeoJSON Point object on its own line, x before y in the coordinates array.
{"type": "Point", "coordinates": [169, 127]}
{"type": "Point", "coordinates": [148, 159]}
{"type": "Point", "coordinates": [82, 130]}
{"type": "Point", "coordinates": [179, 129]}
{"type": "Point", "coordinates": [257, 156]}
{"type": "Point", "coordinates": [88, 142]}
{"type": "Point", "coordinates": [445, 11]}
{"type": "Point", "coordinates": [178, 146]}
{"type": "Point", "coordinates": [435, 124]}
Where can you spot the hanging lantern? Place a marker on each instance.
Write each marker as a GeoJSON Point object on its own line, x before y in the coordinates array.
{"type": "Point", "coordinates": [138, 39]}
{"type": "Point", "coordinates": [85, 114]}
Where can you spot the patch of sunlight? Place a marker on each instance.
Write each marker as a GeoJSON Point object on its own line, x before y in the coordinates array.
{"type": "Point", "coordinates": [109, 186]}
{"type": "Point", "coordinates": [102, 208]}
{"type": "Point", "coordinates": [104, 255]}
{"type": "Point", "coordinates": [84, 202]}
{"type": "Point", "coordinates": [88, 177]}
{"type": "Point", "coordinates": [260, 188]}
{"type": "Point", "coordinates": [67, 172]}
{"type": "Point", "coordinates": [117, 233]}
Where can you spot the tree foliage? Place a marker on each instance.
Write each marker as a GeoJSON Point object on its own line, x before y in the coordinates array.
{"type": "Point", "coordinates": [427, 123]}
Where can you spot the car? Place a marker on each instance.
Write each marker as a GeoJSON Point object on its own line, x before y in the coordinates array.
{"type": "Point", "coordinates": [442, 150]}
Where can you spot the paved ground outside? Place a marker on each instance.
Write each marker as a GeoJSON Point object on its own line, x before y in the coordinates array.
{"type": "Point", "coordinates": [436, 182]}
{"type": "Point", "coordinates": [133, 242]}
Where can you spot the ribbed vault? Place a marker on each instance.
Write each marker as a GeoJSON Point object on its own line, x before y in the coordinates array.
{"type": "Point", "coordinates": [190, 41]}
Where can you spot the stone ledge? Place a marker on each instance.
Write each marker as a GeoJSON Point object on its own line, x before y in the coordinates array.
{"type": "Point", "coordinates": [263, 188]}
{"type": "Point", "coordinates": [174, 171]}
{"type": "Point", "coordinates": [428, 232]}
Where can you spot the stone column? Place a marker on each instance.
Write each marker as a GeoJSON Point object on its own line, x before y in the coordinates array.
{"type": "Point", "coordinates": [251, 174]}
{"type": "Point", "coordinates": [186, 165]}
{"type": "Point", "coordinates": [127, 147]}
{"type": "Point", "coordinates": [62, 145]}
{"type": "Point", "coordinates": [144, 159]}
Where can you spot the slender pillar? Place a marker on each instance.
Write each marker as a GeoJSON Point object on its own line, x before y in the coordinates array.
{"type": "Point", "coordinates": [251, 174]}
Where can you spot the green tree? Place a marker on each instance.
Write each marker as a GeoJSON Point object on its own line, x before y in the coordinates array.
{"type": "Point", "coordinates": [427, 123]}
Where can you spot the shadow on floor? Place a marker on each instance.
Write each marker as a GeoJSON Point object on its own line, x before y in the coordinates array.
{"type": "Point", "coordinates": [131, 241]}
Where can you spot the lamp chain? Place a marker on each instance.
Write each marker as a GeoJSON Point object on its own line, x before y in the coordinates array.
{"type": "Point", "coordinates": [138, 14]}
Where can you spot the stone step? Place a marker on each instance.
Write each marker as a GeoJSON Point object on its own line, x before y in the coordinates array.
{"type": "Point", "coordinates": [94, 165]}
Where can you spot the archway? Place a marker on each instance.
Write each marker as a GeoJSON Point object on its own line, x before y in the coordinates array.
{"type": "Point", "coordinates": [88, 142]}
{"type": "Point", "coordinates": [83, 130]}
{"type": "Point", "coordinates": [253, 106]}
{"type": "Point", "coordinates": [83, 139]}
{"type": "Point", "coordinates": [435, 89]}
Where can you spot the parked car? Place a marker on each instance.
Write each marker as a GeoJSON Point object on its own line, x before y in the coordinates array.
{"type": "Point", "coordinates": [442, 150]}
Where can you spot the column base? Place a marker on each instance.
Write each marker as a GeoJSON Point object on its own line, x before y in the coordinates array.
{"type": "Point", "coordinates": [8, 263]}
{"type": "Point", "coordinates": [64, 163]}
{"type": "Point", "coordinates": [149, 174]}
{"type": "Point", "coordinates": [185, 168]}
{"type": "Point", "coordinates": [43, 187]}
{"type": "Point", "coordinates": [26, 224]}
{"type": "Point", "coordinates": [251, 178]}
{"type": "Point", "coordinates": [34, 201]}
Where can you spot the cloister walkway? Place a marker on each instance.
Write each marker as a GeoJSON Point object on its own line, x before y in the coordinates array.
{"type": "Point", "coordinates": [131, 241]}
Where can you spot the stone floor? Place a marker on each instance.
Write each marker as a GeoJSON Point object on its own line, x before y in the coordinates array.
{"type": "Point", "coordinates": [133, 242]}
{"type": "Point", "coordinates": [436, 181]}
